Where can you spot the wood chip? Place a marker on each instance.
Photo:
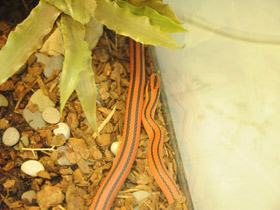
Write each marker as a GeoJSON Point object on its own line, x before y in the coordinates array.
{"type": "Point", "coordinates": [104, 140]}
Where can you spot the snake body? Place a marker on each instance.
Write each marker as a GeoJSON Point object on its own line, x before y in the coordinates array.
{"type": "Point", "coordinates": [155, 133]}
{"type": "Point", "coordinates": [131, 132]}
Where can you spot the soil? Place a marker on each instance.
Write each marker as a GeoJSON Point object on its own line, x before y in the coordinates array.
{"type": "Point", "coordinates": [73, 187]}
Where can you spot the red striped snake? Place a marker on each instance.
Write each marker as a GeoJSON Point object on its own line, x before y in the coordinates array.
{"type": "Point", "coordinates": [132, 125]}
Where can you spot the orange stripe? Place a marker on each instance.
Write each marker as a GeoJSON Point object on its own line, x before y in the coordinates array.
{"type": "Point", "coordinates": [155, 133]}
{"type": "Point", "coordinates": [124, 160]}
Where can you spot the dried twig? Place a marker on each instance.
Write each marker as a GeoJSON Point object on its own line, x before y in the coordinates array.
{"type": "Point", "coordinates": [24, 93]}
{"type": "Point", "coordinates": [38, 149]}
{"type": "Point", "coordinates": [108, 118]}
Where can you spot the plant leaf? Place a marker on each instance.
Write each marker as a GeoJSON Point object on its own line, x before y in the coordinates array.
{"type": "Point", "coordinates": [125, 23]}
{"type": "Point", "coordinates": [87, 93]}
{"type": "Point", "coordinates": [94, 31]}
{"type": "Point", "coordinates": [163, 9]}
{"type": "Point", "coordinates": [165, 23]}
{"type": "Point", "coordinates": [77, 56]}
{"type": "Point", "coordinates": [26, 39]}
{"type": "Point", "coordinates": [80, 10]}
{"type": "Point", "coordinates": [54, 44]}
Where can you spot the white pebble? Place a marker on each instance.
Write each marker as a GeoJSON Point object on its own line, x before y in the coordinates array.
{"type": "Point", "coordinates": [62, 149]}
{"type": "Point", "coordinates": [55, 63]}
{"type": "Point", "coordinates": [25, 140]}
{"type": "Point", "coordinates": [63, 161]}
{"type": "Point", "coordinates": [3, 101]}
{"type": "Point", "coordinates": [62, 128]}
{"type": "Point", "coordinates": [32, 167]}
{"type": "Point", "coordinates": [42, 58]}
{"type": "Point", "coordinates": [41, 100]}
{"type": "Point", "coordinates": [10, 136]}
{"type": "Point", "coordinates": [34, 119]}
{"type": "Point", "coordinates": [51, 115]}
{"type": "Point", "coordinates": [140, 195]}
{"type": "Point", "coordinates": [115, 147]}
{"type": "Point", "coordinates": [29, 195]}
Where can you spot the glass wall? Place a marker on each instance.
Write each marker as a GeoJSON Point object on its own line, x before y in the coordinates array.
{"type": "Point", "coordinates": [223, 93]}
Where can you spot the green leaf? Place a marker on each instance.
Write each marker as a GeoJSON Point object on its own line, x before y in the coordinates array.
{"type": "Point", "coordinates": [125, 23]}
{"type": "Point", "coordinates": [87, 94]}
{"type": "Point", "coordinates": [77, 56]}
{"type": "Point", "coordinates": [165, 23]}
{"type": "Point", "coordinates": [26, 39]}
{"type": "Point", "coordinates": [80, 10]}
{"type": "Point", "coordinates": [163, 9]}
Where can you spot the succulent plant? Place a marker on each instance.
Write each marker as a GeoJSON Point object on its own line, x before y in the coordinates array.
{"type": "Point", "coordinates": [73, 28]}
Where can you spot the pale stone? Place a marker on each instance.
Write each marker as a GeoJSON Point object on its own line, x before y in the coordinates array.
{"type": "Point", "coordinates": [140, 195]}
{"type": "Point", "coordinates": [63, 161]}
{"type": "Point", "coordinates": [115, 147]}
{"type": "Point", "coordinates": [62, 128]}
{"type": "Point", "coordinates": [3, 101]}
{"type": "Point", "coordinates": [51, 115]}
{"type": "Point", "coordinates": [29, 195]}
{"type": "Point", "coordinates": [41, 100]}
{"type": "Point", "coordinates": [42, 58]}
{"type": "Point", "coordinates": [55, 63]}
{"type": "Point", "coordinates": [11, 136]}
{"type": "Point", "coordinates": [34, 119]}
{"type": "Point", "coordinates": [32, 167]}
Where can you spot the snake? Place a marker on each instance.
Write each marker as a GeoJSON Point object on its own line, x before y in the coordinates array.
{"type": "Point", "coordinates": [156, 140]}
{"type": "Point", "coordinates": [123, 162]}
{"type": "Point", "coordinates": [136, 111]}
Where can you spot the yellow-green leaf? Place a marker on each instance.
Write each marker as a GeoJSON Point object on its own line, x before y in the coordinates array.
{"type": "Point", "coordinates": [125, 23]}
{"type": "Point", "coordinates": [54, 44]}
{"type": "Point", "coordinates": [165, 23]}
{"type": "Point", "coordinates": [26, 39]}
{"type": "Point", "coordinates": [94, 31]}
{"type": "Point", "coordinates": [163, 9]}
{"type": "Point", "coordinates": [80, 10]}
{"type": "Point", "coordinates": [77, 56]}
{"type": "Point", "coordinates": [87, 94]}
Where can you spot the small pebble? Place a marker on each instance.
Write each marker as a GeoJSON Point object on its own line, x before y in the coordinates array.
{"type": "Point", "coordinates": [62, 128]}
{"type": "Point", "coordinates": [42, 58]}
{"type": "Point", "coordinates": [62, 149]}
{"type": "Point", "coordinates": [32, 167]}
{"type": "Point", "coordinates": [90, 163]}
{"type": "Point", "coordinates": [140, 195]}
{"type": "Point", "coordinates": [11, 136]}
{"type": "Point", "coordinates": [51, 115]}
{"type": "Point", "coordinates": [29, 195]}
{"type": "Point", "coordinates": [34, 119]}
{"type": "Point", "coordinates": [115, 147]}
{"type": "Point", "coordinates": [3, 101]}
{"type": "Point", "coordinates": [63, 161]}
{"type": "Point", "coordinates": [18, 146]}
{"type": "Point", "coordinates": [55, 63]}
{"type": "Point", "coordinates": [25, 140]}
{"type": "Point", "coordinates": [41, 100]}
